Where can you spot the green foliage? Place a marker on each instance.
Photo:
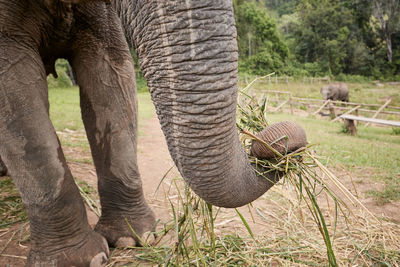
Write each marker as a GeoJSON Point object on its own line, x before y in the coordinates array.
{"type": "Point", "coordinates": [351, 78]}
{"type": "Point", "coordinates": [261, 49]}
{"type": "Point", "coordinates": [327, 37]}
{"type": "Point", "coordinates": [282, 6]}
{"type": "Point", "coordinates": [396, 131]}
{"type": "Point", "coordinates": [63, 80]}
{"type": "Point", "coordinates": [141, 83]}
{"type": "Point", "coordinates": [11, 208]}
{"type": "Point", "coordinates": [323, 34]}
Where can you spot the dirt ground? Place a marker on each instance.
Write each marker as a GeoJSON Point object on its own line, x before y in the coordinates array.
{"type": "Point", "coordinates": [154, 162]}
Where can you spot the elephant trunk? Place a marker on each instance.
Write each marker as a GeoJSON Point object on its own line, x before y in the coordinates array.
{"type": "Point", "coordinates": [188, 54]}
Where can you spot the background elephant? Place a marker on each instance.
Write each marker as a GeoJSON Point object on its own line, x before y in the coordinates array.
{"type": "Point", "coordinates": [188, 54]}
{"type": "Point", "coordinates": [335, 91]}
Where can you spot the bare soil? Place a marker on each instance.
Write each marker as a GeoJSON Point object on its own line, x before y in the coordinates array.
{"type": "Point", "coordinates": [154, 162]}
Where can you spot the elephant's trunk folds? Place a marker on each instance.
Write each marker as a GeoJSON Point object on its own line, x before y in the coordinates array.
{"type": "Point", "coordinates": [188, 54]}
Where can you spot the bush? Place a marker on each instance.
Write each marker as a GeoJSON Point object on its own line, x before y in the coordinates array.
{"type": "Point", "coordinates": [396, 130]}
{"type": "Point", "coordinates": [352, 78]}
{"type": "Point", "coordinates": [261, 48]}
{"type": "Point", "coordinates": [63, 80]}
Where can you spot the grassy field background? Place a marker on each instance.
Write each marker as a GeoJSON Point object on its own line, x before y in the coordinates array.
{"type": "Point", "coordinates": [65, 112]}
{"type": "Point", "coordinates": [368, 93]}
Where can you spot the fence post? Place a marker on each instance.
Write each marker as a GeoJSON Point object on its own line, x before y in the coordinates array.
{"type": "Point", "coordinates": [291, 103]}
{"type": "Point", "coordinates": [332, 111]}
{"type": "Point", "coordinates": [350, 126]}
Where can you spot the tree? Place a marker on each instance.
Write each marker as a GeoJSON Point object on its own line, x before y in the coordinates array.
{"type": "Point", "coordinates": [261, 49]}
{"type": "Point", "coordinates": [323, 34]}
{"type": "Point", "coordinates": [387, 15]}
{"type": "Point", "coordinates": [282, 6]}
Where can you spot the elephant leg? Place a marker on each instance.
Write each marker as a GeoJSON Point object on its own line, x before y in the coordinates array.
{"type": "Point", "coordinates": [105, 75]}
{"type": "Point", "coordinates": [60, 234]}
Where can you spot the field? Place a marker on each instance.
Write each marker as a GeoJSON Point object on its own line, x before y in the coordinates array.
{"type": "Point", "coordinates": [368, 93]}
{"type": "Point", "coordinates": [276, 230]}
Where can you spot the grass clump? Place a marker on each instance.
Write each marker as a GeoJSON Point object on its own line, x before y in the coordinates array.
{"type": "Point", "coordinates": [11, 208]}
{"type": "Point", "coordinates": [298, 168]}
{"type": "Point", "coordinates": [396, 130]}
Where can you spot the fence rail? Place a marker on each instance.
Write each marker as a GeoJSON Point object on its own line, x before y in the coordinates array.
{"type": "Point", "coordinates": [280, 99]}
{"type": "Point", "coordinates": [286, 79]}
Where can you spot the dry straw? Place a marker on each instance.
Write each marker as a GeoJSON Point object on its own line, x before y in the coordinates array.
{"type": "Point", "coordinates": [313, 219]}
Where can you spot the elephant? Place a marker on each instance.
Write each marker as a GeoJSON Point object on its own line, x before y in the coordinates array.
{"type": "Point", "coordinates": [335, 91]}
{"type": "Point", "coordinates": [188, 54]}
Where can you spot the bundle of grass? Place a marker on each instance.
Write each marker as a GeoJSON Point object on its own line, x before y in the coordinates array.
{"type": "Point", "coordinates": [298, 166]}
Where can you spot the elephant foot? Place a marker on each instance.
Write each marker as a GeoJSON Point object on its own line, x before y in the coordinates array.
{"type": "Point", "coordinates": [118, 229]}
{"type": "Point", "coordinates": [93, 252]}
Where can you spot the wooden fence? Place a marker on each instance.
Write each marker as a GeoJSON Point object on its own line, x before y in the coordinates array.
{"type": "Point", "coordinates": [279, 100]}
{"type": "Point", "coordinates": [286, 79]}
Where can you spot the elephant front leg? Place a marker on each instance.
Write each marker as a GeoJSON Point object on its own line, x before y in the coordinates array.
{"type": "Point", "coordinates": [60, 234]}
{"type": "Point", "coordinates": [105, 76]}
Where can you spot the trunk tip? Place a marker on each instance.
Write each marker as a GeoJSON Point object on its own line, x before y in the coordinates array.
{"type": "Point", "coordinates": [284, 137]}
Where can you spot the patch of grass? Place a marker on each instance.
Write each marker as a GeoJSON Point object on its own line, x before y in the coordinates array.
{"type": "Point", "coordinates": [11, 208]}
{"type": "Point", "coordinates": [396, 130]}
{"type": "Point", "coordinates": [375, 148]}
{"type": "Point", "coordinates": [85, 187]}
{"type": "Point", "coordinates": [359, 92]}
{"type": "Point", "coordinates": [89, 195]}
{"type": "Point", "coordinates": [80, 160]}
{"type": "Point", "coordinates": [146, 109]}
{"type": "Point", "coordinates": [343, 129]}
{"type": "Point", "coordinates": [390, 193]}
{"type": "Point", "coordinates": [65, 111]}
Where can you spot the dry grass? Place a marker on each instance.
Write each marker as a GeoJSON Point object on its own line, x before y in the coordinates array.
{"type": "Point", "coordinates": [201, 235]}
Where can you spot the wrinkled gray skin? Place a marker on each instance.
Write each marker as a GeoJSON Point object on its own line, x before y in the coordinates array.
{"type": "Point", "coordinates": [188, 54]}
{"type": "Point", "coordinates": [335, 91]}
